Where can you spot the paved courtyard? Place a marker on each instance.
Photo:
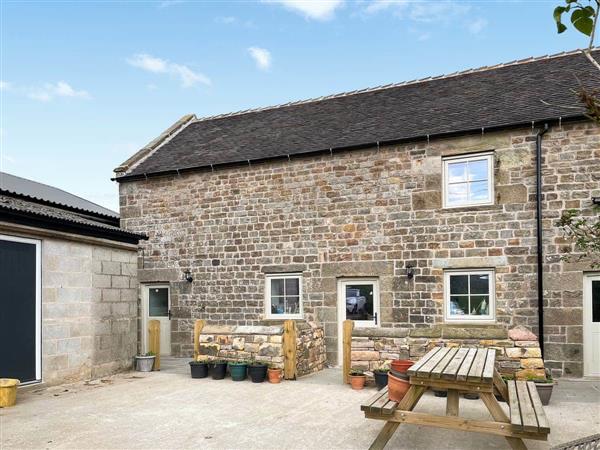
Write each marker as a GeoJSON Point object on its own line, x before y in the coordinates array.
{"type": "Point", "coordinates": [168, 409]}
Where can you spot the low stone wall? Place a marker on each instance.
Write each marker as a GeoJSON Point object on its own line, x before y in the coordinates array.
{"type": "Point", "coordinates": [265, 343]}
{"type": "Point", "coordinates": [517, 350]}
{"type": "Point", "coordinates": [311, 354]}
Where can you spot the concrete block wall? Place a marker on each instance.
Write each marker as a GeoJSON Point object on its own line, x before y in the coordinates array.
{"type": "Point", "coordinates": [89, 310]}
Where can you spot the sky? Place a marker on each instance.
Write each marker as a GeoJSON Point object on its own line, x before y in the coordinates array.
{"type": "Point", "coordinates": [84, 85]}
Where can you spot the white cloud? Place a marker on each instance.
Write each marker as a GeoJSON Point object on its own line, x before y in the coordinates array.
{"type": "Point", "coordinates": [311, 9]}
{"type": "Point", "coordinates": [477, 26]}
{"type": "Point", "coordinates": [424, 11]}
{"type": "Point", "coordinates": [261, 56]}
{"type": "Point", "coordinates": [49, 91]}
{"type": "Point", "coordinates": [187, 76]}
{"type": "Point", "coordinates": [5, 85]}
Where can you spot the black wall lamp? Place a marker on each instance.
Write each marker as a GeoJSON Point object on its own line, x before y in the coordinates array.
{"type": "Point", "coordinates": [188, 276]}
{"type": "Point", "coordinates": [410, 272]}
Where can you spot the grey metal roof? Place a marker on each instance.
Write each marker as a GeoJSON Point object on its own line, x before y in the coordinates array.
{"type": "Point", "coordinates": [517, 93]}
{"type": "Point", "coordinates": [39, 191]}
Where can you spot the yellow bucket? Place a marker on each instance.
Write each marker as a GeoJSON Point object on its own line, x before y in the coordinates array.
{"type": "Point", "coordinates": [8, 392]}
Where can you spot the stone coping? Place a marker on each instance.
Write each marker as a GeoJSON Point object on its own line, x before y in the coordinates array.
{"type": "Point", "coordinates": [243, 329]}
{"type": "Point", "coordinates": [444, 332]}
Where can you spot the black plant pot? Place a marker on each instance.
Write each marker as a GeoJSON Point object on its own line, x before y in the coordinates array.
{"type": "Point", "coordinates": [199, 369]}
{"type": "Point", "coordinates": [219, 370]}
{"type": "Point", "coordinates": [381, 379]}
{"type": "Point", "coordinates": [257, 372]}
{"type": "Point", "coordinates": [471, 396]}
{"type": "Point", "coordinates": [440, 393]}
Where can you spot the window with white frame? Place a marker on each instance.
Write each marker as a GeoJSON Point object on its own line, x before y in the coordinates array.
{"type": "Point", "coordinates": [469, 295]}
{"type": "Point", "coordinates": [468, 180]}
{"type": "Point", "coordinates": [283, 294]}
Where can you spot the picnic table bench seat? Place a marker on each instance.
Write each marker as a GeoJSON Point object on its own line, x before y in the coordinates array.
{"type": "Point", "coordinates": [526, 410]}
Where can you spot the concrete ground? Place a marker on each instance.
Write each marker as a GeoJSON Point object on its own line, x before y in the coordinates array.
{"type": "Point", "coordinates": [168, 409]}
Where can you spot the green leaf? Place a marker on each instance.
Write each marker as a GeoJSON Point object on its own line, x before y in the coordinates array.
{"type": "Point", "coordinates": [558, 12]}
{"type": "Point", "coordinates": [560, 27]}
{"type": "Point", "coordinates": [582, 21]}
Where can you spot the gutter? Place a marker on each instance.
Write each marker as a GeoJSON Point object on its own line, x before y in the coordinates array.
{"type": "Point", "coordinates": [539, 235]}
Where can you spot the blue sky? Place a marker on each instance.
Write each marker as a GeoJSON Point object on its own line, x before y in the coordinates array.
{"type": "Point", "coordinates": [85, 84]}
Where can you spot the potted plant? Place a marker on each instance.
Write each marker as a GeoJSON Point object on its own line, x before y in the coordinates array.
{"type": "Point", "coordinates": [397, 387]}
{"type": "Point", "coordinates": [274, 374]}
{"type": "Point", "coordinates": [257, 371]}
{"type": "Point", "coordinates": [544, 387]}
{"type": "Point", "coordinates": [357, 379]}
{"type": "Point", "coordinates": [145, 362]}
{"type": "Point", "coordinates": [400, 366]}
{"type": "Point", "coordinates": [199, 369]}
{"type": "Point", "coordinates": [237, 369]}
{"type": "Point", "coordinates": [219, 369]}
{"type": "Point", "coordinates": [381, 377]}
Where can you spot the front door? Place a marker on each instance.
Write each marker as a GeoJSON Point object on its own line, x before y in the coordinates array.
{"type": "Point", "coordinates": [20, 320]}
{"type": "Point", "coordinates": [591, 326]}
{"type": "Point", "coordinates": [157, 306]}
{"type": "Point", "coordinates": [358, 300]}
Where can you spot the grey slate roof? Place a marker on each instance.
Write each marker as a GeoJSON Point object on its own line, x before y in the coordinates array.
{"type": "Point", "coordinates": [33, 189]}
{"type": "Point", "coordinates": [510, 94]}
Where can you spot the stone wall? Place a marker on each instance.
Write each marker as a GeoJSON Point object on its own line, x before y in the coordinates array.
{"type": "Point", "coordinates": [264, 343]}
{"type": "Point", "coordinates": [311, 353]}
{"type": "Point", "coordinates": [517, 350]}
{"type": "Point", "coordinates": [371, 213]}
{"type": "Point", "coordinates": [89, 310]}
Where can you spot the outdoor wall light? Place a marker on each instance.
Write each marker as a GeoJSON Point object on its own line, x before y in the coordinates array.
{"type": "Point", "coordinates": [410, 272]}
{"type": "Point", "coordinates": [188, 276]}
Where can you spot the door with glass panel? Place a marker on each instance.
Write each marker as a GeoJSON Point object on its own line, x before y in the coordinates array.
{"type": "Point", "coordinates": [591, 326]}
{"type": "Point", "coordinates": [157, 306]}
{"type": "Point", "coordinates": [358, 300]}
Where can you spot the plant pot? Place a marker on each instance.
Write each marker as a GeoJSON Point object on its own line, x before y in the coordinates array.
{"type": "Point", "coordinates": [357, 382]}
{"type": "Point", "coordinates": [397, 388]}
{"type": "Point", "coordinates": [381, 379]}
{"type": "Point", "coordinates": [257, 372]}
{"type": "Point", "coordinates": [199, 369]}
{"type": "Point", "coordinates": [401, 365]}
{"type": "Point", "coordinates": [544, 390]}
{"type": "Point", "coordinates": [471, 396]}
{"type": "Point", "coordinates": [144, 363]}
{"type": "Point", "coordinates": [274, 375]}
{"type": "Point", "coordinates": [219, 370]}
{"type": "Point", "coordinates": [397, 374]}
{"type": "Point", "coordinates": [8, 392]}
{"type": "Point", "coordinates": [238, 371]}
{"type": "Point", "coordinates": [440, 393]}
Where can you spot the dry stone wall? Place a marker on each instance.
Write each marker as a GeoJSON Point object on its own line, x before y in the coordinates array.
{"type": "Point", "coordinates": [371, 213]}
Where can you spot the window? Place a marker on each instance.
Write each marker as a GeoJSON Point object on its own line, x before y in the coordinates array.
{"type": "Point", "coordinates": [469, 296]}
{"type": "Point", "coordinates": [284, 296]}
{"type": "Point", "coordinates": [468, 180]}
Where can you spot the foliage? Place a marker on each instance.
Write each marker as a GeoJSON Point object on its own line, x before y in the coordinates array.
{"type": "Point", "coordinates": [356, 372]}
{"type": "Point", "coordinates": [584, 232]}
{"type": "Point", "coordinates": [582, 16]}
{"type": "Point", "coordinates": [149, 354]}
{"type": "Point", "coordinates": [240, 362]}
{"type": "Point", "coordinates": [382, 370]}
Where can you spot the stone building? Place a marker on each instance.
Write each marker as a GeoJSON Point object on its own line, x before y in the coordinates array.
{"type": "Point", "coordinates": [410, 209]}
{"type": "Point", "coordinates": [69, 286]}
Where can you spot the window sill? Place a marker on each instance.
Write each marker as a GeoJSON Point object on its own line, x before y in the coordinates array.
{"type": "Point", "coordinates": [470, 208]}
{"type": "Point", "coordinates": [285, 317]}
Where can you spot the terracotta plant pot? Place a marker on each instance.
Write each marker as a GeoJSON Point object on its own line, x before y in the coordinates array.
{"type": "Point", "coordinates": [397, 388]}
{"type": "Point", "coordinates": [401, 365]}
{"type": "Point", "coordinates": [357, 382]}
{"type": "Point", "coordinates": [274, 375]}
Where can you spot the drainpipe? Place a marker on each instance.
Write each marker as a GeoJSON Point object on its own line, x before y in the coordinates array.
{"type": "Point", "coordinates": [540, 249]}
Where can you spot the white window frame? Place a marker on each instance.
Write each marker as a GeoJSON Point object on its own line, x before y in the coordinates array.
{"type": "Point", "coordinates": [38, 302]}
{"type": "Point", "coordinates": [489, 157]}
{"type": "Point", "coordinates": [281, 276]}
{"type": "Point", "coordinates": [491, 317]}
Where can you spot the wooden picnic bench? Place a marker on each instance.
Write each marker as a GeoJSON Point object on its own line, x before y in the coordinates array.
{"type": "Point", "coordinates": [462, 370]}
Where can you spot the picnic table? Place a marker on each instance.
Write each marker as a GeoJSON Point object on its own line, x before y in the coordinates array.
{"type": "Point", "coordinates": [463, 370]}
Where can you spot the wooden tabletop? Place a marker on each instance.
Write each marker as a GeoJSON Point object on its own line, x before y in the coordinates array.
{"type": "Point", "coordinates": [461, 364]}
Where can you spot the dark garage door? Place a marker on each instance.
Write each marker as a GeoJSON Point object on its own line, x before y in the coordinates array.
{"type": "Point", "coordinates": [18, 310]}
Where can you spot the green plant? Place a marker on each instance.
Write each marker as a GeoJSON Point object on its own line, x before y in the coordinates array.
{"type": "Point", "coordinates": [382, 370]}
{"type": "Point", "coordinates": [508, 377]}
{"type": "Point", "coordinates": [584, 233]}
{"type": "Point", "coordinates": [148, 354]}
{"type": "Point", "coordinates": [241, 362]}
{"type": "Point", "coordinates": [356, 372]}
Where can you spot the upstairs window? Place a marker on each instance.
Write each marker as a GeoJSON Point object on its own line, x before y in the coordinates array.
{"type": "Point", "coordinates": [468, 180]}
{"type": "Point", "coordinates": [283, 296]}
{"type": "Point", "coordinates": [469, 296]}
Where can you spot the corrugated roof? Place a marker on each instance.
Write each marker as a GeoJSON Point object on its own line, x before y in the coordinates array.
{"type": "Point", "coordinates": [516, 93]}
{"type": "Point", "coordinates": [39, 191]}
